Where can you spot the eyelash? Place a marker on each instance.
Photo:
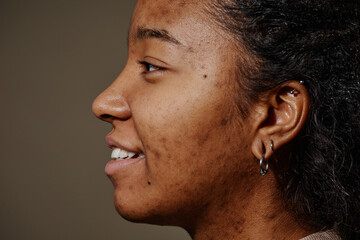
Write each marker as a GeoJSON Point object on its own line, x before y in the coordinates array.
{"type": "Point", "coordinates": [148, 66]}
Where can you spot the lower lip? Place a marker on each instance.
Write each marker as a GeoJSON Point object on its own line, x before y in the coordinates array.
{"type": "Point", "coordinates": [114, 166]}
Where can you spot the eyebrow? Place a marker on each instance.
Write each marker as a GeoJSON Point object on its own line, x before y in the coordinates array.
{"type": "Point", "coordinates": [162, 34]}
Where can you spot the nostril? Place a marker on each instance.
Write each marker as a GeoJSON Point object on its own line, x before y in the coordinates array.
{"type": "Point", "coordinates": [110, 118]}
{"type": "Point", "coordinates": [106, 117]}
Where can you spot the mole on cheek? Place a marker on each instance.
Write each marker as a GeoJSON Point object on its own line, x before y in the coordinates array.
{"type": "Point", "coordinates": [204, 76]}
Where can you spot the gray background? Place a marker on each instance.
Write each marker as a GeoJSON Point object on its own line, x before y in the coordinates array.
{"type": "Point", "coordinates": [55, 57]}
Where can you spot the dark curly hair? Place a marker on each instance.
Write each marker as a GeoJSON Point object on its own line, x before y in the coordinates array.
{"type": "Point", "coordinates": [317, 42]}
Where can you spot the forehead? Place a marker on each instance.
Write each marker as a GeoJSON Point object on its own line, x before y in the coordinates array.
{"type": "Point", "coordinates": [186, 20]}
{"type": "Point", "coordinates": [168, 11]}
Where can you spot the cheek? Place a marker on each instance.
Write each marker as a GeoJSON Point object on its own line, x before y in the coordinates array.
{"type": "Point", "coordinates": [188, 138]}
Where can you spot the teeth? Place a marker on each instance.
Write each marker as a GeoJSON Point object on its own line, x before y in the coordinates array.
{"type": "Point", "coordinates": [120, 154]}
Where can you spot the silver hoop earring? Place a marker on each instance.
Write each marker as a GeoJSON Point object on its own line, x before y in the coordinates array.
{"type": "Point", "coordinates": [262, 170]}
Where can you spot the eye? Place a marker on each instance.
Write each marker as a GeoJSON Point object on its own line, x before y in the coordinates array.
{"type": "Point", "coordinates": [149, 67]}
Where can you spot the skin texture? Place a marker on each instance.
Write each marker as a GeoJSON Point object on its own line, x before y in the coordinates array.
{"type": "Point", "coordinates": [201, 155]}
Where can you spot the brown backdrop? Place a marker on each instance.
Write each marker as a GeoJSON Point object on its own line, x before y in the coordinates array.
{"type": "Point", "coordinates": [55, 57]}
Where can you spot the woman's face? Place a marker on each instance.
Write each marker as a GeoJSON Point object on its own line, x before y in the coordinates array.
{"type": "Point", "coordinates": [174, 102]}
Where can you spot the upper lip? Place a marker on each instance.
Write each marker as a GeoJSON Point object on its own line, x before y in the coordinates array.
{"type": "Point", "coordinates": [112, 143]}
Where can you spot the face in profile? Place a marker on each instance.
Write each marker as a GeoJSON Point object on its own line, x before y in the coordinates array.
{"type": "Point", "coordinates": [178, 139]}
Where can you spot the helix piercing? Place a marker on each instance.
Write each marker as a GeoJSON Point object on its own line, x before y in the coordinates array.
{"type": "Point", "coordinates": [293, 91]}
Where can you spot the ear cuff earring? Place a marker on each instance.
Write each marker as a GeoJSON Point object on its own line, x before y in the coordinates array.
{"type": "Point", "coordinates": [264, 171]}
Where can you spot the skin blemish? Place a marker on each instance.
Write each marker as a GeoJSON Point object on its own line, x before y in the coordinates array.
{"type": "Point", "coordinates": [219, 84]}
{"type": "Point", "coordinates": [157, 154]}
{"type": "Point", "coordinates": [202, 139]}
{"type": "Point", "coordinates": [182, 4]}
{"type": "Point", "coordinates": [204, 76]}
{"type": "Point", "coordinates": [224, 122]}
{"type": "Point", "coordinates": [164, 12]}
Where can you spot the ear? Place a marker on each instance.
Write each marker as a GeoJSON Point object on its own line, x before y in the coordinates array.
{"type": "Point", "coordinates": [279, 117]}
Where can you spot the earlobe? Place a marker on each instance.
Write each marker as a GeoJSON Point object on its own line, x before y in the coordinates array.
{"type": "Point", "coordinates": [282, 116]}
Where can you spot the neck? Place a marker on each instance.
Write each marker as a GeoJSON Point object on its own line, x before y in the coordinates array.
{"type": "Point", "coordinates": [261, 214]}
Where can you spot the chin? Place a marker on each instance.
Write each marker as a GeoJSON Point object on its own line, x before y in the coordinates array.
{"type": "Point", "coordinates": [144, 210]}
{"type": "Point", "coordinates": [134, 208]}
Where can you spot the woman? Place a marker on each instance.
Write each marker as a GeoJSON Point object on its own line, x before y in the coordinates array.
{"type": "Point", "coordinates": [214, 89]}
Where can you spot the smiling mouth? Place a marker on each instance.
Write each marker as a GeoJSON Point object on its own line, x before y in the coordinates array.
{"type": "Point", "coordinates": [119, 154]}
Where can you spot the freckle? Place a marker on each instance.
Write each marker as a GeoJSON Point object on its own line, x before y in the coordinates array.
{"type": "Point", "coordinates": [203, 67]}
{"type": "Point", "coordinates": [224, 122]}
{"type": "Point", "coordinates": [205, 76]}
{"type": "Point", "coordinates": [131, 187]}
{"type": "Point", "coordinates": [157, 154]}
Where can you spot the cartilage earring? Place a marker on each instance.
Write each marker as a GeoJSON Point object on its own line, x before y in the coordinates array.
{"type": "Point", "coordinates": [293, 91]}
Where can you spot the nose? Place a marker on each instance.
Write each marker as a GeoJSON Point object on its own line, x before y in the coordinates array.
{"type": "Point", "coordinates": [111, 105]}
